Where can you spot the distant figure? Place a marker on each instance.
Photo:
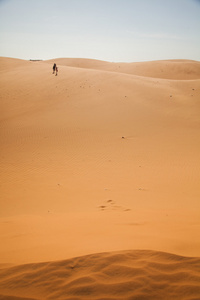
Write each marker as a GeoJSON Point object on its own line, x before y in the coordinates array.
{"type": "Point", "coordinates": [54, 68]}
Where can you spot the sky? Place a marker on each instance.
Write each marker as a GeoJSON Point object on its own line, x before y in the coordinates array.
{"type": "Point", "coordinates": [110, 30]}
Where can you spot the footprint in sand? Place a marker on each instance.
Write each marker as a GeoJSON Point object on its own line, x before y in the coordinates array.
{"type": "Point", "coordinates": [110, 201]}
{"type": "Point", "coordinates": [111, 205]}
{"type": "Point", "coordinates": [102, 207]}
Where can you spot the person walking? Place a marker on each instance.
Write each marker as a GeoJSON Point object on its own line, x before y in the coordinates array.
{"type": "Point", "coordinates": [54, 68]}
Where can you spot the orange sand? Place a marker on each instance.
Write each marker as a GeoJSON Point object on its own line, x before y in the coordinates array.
{"type": "Point", "coordinates": [118, 275]}
{"type": "Point", "coordinates": [103, 157]}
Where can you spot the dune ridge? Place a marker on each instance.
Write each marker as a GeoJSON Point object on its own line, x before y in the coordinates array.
{"type": "Point", "coordinates": [169, 69]}
{"type": "Point", "coordinates": [134, 274]}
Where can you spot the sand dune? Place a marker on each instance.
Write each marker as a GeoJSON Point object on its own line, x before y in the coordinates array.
{"type": "Point", "coordinates": [116, 275]}
{"type": "Point", "coordinates": [9, 64]}
{"type": "Point", "coordinates": [101, 158]}
{"type": "Point", "coordinates": [169, 69]}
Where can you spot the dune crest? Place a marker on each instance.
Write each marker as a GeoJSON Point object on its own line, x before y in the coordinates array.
{"type": "Point", "coordinates": [9, 63]}
{"type": "Point", "coordinates": [115, 275]}
{"type": "Point", "coordinates": [166, 69]}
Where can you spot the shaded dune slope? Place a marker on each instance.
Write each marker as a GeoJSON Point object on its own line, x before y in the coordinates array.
{"type": "Point", "coordinates": [112, 275]}
{"type": "Point", "coordinates": [169, 69]}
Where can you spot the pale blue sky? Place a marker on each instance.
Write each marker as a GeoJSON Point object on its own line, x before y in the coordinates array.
{"type": "Point", "coordinates": [112, 30]}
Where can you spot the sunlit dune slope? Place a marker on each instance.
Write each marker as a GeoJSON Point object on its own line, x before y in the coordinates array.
{"type": "Point", "coordinates": [169, 69]}
{"type": "Point", "coordinates": [96, 160]}
{"type": "Point", "coordinates": [115, 275]}
{"type": "Point", "coordinates": [10, 64]}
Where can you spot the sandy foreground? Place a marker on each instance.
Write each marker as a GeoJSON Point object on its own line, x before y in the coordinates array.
{"type": "Point", "coordinates": [99, 180]}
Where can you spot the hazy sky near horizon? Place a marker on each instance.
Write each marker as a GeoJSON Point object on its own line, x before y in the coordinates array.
{"type": "Point", "coordinates": [111, 30]}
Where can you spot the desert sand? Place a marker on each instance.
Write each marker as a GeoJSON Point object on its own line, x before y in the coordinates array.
{"type": "Point", "coordinates": [99, 179]}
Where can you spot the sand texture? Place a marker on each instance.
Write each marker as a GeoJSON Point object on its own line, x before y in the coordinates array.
{"type": "Point", "coordinates": [102, 158]}
{"type": "Point", "coordinates": [121, 275]}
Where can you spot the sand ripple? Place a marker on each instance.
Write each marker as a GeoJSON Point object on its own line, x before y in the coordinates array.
{"type": "Point", "coordinates": [116, 275]}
